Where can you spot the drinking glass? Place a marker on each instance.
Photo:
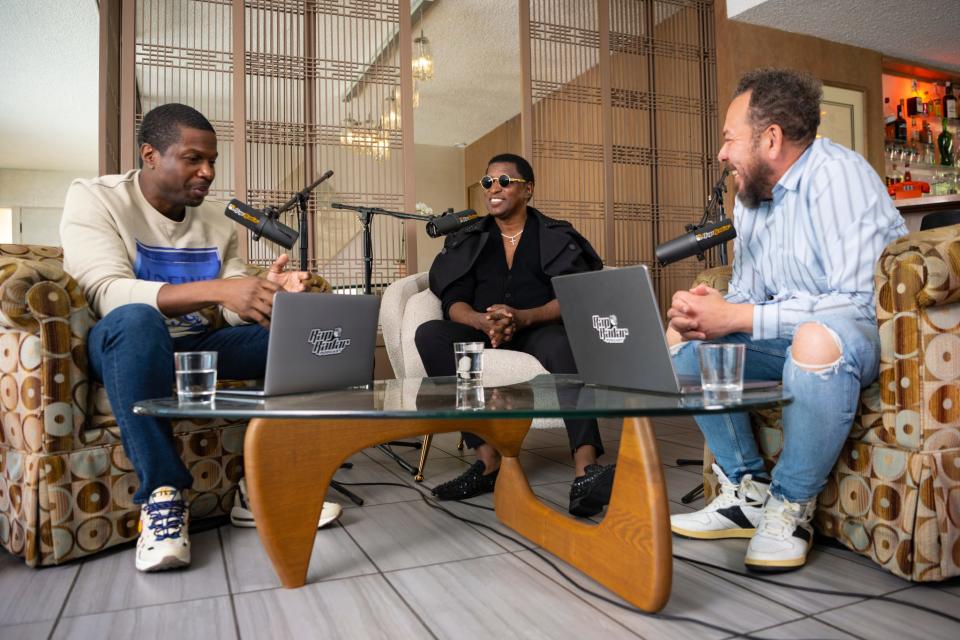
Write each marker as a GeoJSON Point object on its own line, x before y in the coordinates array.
{"type": "Point", "coordinates": [196, 373]}
{"type": "Point", "coordinates": [721, 372]}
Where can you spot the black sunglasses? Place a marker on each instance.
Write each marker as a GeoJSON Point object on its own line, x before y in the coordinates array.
{"type": "Point", "coordinates": [504, 180]}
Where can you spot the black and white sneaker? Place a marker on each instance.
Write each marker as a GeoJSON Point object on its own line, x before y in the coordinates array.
{"type": "Point", "coordinates": [734, 513]}
{"type": "Point", "coordinates": [784, 535]}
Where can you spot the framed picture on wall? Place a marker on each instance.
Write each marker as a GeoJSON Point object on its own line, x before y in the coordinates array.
{"type": "Point", "coordinates": [841, 118]}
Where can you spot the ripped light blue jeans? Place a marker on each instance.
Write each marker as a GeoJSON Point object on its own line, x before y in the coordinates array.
{"type": "Point", "coordinates": [815, 424]}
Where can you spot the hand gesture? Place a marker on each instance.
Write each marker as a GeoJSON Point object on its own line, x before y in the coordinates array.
{"type": "Point", "coordinates": [251, 298]}
{"type": "Point", "coordinates": [505, 321]}
{"type": "Point", "coordinates": [698, 314]}
{"type": "Point", "coordinates": [293, 281]}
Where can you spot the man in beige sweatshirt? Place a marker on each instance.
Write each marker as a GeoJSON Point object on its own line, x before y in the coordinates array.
{"type": "Point", "coordinates": [150, 253]}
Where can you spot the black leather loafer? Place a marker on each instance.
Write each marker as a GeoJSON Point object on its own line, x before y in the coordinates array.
{"type": "Point", "coordinates": [590, 493]}
{"type": "Point", "coordinates": [470, 483]}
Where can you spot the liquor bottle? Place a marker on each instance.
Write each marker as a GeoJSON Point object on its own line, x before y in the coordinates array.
{"type": "Point", "coordinates": [949, 103]}
{"type": "Point", "coordinates": [945, 146]}
{"type": "Point", "coordinates": [900, 125]}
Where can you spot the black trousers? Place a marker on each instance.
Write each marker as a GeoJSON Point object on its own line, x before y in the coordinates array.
{"type": "Point", "coordinates": [547, 343]}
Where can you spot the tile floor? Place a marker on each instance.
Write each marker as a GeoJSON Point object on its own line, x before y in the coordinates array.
{"type": "Point", "coordinates": [395, 568]}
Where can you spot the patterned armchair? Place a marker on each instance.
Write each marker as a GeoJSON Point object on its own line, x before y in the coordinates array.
{"type": "Point", "coordinates": [66, 487]}
{"type": "Point", "coordinates": [894, 494]}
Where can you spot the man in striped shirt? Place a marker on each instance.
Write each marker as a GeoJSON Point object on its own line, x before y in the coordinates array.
{"type": "Point", "coordinates": [812, 218]}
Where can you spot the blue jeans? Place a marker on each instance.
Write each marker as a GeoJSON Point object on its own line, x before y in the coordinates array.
{"type": "Point", "coordinates": [131, 353]}
{"type": "Point", "coordinates": [815, 424]}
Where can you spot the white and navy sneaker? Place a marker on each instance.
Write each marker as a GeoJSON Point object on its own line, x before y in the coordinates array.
{"type": "Point", "coordinates": [163, 543]}
{"type": "Point", "coordinates": [734, 513]}
{"type": "Point", "coordinates": [784, 535]}
{"type": "Point", "coordinates": [242, 516]}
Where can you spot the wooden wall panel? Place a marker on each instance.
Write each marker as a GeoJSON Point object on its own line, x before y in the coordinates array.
{"type": "Point", "coordinates": [742, 47]}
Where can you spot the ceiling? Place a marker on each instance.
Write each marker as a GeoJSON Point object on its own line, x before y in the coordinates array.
{"type": "Point", "coordinates": [49, 64]}
{"type": "Point", "coordinates": [924, 31]}
{"type": "Point", "coordinates": [49, 67]}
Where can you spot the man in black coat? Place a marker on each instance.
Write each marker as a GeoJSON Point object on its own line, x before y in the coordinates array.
{"type": "Point", "coordinates": [493, 280]}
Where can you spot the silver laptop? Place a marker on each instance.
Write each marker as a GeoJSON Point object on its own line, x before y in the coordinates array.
{"type": "Point", "coordinates": [616, 334]}
{"type": "Point", "coordinates": [317, 342]}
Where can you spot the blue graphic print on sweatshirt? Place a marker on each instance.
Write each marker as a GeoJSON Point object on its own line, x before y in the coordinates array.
{"type": "Point", "coordinates": [177, 266]}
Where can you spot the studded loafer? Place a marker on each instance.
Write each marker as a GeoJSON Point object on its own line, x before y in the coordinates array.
{"type": "Point", "coordinates": [470, 483]}
{"type": "Point", "coordinates": [590, 493]}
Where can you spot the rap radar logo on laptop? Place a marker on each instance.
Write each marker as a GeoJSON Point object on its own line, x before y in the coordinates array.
{"type": "Point", "coordinates": [608, 330]}
{"type": "Point", "coordinates": [332, 360]}
{"type": "Point", "coordinates": [327, 342]}
{"type": "Point", "coordinates": [642, 362]}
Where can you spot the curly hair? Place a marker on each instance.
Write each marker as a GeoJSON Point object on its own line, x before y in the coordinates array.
{"type": "Point", "coordinates": [785, 97]}
{"type": "Point", "coordinates": [161, 126]}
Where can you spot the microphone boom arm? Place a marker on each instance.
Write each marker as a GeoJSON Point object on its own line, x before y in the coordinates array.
{"type": "Point", "coordinates": [365, 215]}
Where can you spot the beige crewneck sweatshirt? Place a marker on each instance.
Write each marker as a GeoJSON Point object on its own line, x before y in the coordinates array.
{"type": "Point", "coordinates": [121, 250]}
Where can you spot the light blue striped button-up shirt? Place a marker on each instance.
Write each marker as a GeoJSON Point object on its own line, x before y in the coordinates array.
{"type": "Point", "coordinates": [812, 250]}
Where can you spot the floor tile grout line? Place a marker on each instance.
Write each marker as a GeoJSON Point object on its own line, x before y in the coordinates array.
{"type": "Point", "coordinates": [876, 597]}
{"type": "Point", "coordinates": [145, 606]}
{"type": "Point", "coordinates": [416, 614]}
{"type": "Point", "coordinates": [740, 586]}
{"type": "Point", "coordinates": [226, 573]}
{"type": "Point", "coordinates": [811, 616]}
{"type": "Point", "coordinates": [66, 598]}
{"type": "Point", "coordinates": [588, 600]}
{"type": "Point", "coordinates": [556, 578]}
{"type": "Point", "coordinates": [441, 563]}
{"type": "Point", "coordinates": [855, 599]}
{"type": "Point", "coordinates": [380, 573]}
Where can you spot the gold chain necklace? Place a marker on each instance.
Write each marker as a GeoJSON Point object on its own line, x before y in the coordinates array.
{"type": "Point", "coordinates": [513, 238]}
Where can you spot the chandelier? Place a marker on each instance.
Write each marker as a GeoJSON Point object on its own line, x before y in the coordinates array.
{"type": "Point", "coordinates": [390, 117]}
{"type": "Point", "coordinates": [367, 137]}
{"type": "Point", "coordinates": [422, 56]}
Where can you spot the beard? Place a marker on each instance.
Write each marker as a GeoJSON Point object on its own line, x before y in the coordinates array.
{"type": "Point", "coordinates": [757, 184]}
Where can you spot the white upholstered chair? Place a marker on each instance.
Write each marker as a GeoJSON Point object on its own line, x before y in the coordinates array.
{"type": "Point", "coordinates": [408, 303]}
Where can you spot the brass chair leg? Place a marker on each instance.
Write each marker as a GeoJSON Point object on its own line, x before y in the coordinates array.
{"type": "Point", "coordinates": [424, 450]}
{"type": "Point", "coordinates": [460, 445]}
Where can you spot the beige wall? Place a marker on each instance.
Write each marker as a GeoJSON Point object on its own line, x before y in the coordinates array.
{"type": "Point", "coordinates": [440, 184]}
{"type": "Point", "coordinates": [742, 47]}
{"type": "Point", "coordinates": [29, 188]}
{"type": "Point", "coordinates": [36, 198]}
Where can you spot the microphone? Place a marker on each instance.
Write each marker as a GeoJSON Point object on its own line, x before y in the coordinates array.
{"type": "Point", "coordinates": [262, 223]}
{"type": "Point", "coordinates": [696, 241]}
{"type": "Point", "coordinates": [449, 222]}
{"type": "Point", "coordinates": [713, 229]}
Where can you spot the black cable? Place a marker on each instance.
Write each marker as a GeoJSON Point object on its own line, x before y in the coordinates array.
{"type": "Point", "coordinates": [664, 616]}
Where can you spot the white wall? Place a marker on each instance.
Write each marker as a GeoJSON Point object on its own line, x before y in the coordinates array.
{"type": "Point", "coordinates": [37, 196]}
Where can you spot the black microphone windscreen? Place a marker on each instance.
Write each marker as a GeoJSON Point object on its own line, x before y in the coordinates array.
{"type": "Point", "coordinates": [261, 224]}
{"type": "Point", "coordinates": [450, 222]}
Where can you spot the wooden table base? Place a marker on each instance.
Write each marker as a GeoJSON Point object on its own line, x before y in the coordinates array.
{"type": "Point", "coordinates": [289, 464]}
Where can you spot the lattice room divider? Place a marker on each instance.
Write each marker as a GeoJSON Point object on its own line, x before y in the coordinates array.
{"type": "Point", "coordinates": [284, 77]}
{"type": "Point", "coordinates": [622, 99]}
{"type": "Point", "coordinates": [618, 112]}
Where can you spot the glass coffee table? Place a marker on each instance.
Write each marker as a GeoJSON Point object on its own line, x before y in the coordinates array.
{"type": "Point", "coordinates": [294, 445]}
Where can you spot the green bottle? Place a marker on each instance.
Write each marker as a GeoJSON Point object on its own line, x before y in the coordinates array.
{"type": "Point", "coordinates": [945, 146]}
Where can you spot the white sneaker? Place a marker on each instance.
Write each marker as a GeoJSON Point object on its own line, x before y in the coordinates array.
{"type": "Point", "coordinates": [242, 516]}
{"type": "Point", "coordinates": [784, 535]}
{"type": "Point", "coordinates": [163, 543]}
{"type": "Point", "coordinates": [734, 513]}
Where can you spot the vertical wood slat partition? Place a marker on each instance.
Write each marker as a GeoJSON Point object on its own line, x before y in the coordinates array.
{"type": "Point", "coordinates": [623, 122]}
{"type": "Point", "coordinates": [277, 79]}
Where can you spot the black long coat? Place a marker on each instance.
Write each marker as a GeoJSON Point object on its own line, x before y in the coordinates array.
{"type": "Point", "coordinates": [562, 251]}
